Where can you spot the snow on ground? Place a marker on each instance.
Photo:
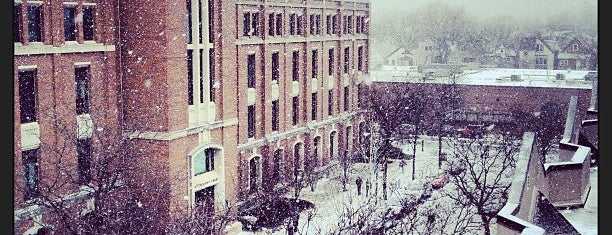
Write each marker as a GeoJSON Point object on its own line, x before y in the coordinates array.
{"type": "Point", "coordinates": [585, 219]}
{"type": "Point", "coordinates": [329, 198]}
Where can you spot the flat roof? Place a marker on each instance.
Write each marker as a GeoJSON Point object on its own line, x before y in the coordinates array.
{"type": "Point", "coordinates": [492, 77]}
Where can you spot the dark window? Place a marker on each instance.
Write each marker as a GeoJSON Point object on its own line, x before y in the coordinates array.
{"type": "Point", "coordinates": [292, 24]}
{"type": "Point", "coordinates": [330, 104]}
{"type": "Point", "coordinates": [360, 58]}
{"type": "Point", "coordinates": [251, 71]}
{"type": "Point", "coordinates": [275, 115]}
{"type": "Point", "coordinates": [318, 24]}
{"type": "Point", "coordinates": [27, 95]}
{"type": "Point", "coordinates": [335, 25]}
{"type": "Point", "coordinates": [350, 24]}
{"type": "Point", "coordinates": [200, 24]}
{"type": "Point", "coordinates": [358, 26]}
{"type": "Point", "coordinates": [84, 160]}
{"type": "Point", "coordinates": [300, 24]}
{"type": "Point", "coordinates": [297, 158]}
{"type": "Point", "coordinates": [275, 66]}
{"type": "Point", "coordinates": [295, 109]}
{"type": "Point", "coordinates": [315, 64]}
{"type": "Point", "coordinates": [255, 24]}
{"type": "Point", "coordinates": [279, 24]}
{"type": "Point", "coordinates": [346, 60]}
{"type": "Point", "coordinates": [29, 159]}
{"type": "Point", "coordinates": [190, 77]}
{"type": "Point", "coordinates": [82, 89]}
{"type": "Point", "coordinates": [346, 98]}
{"type": "Point", "coordinates": [314, 106]}
{"type": "Point", "coordinates": [295, 66]}
{"type": "Point", "coordinates": [211, 68]}
{"type": "Point", "coordinates": [276, 167]}
{"type": "Point", "coordinates": [205, 201]}
{"type": "Point", "coordinates": [331, 62]}
{"type": "Point", "coordinates": [328, 24]}
{"type": "Point", "coordinates": [89, 13]}
{"type": "Point", "coordinates": [312, 25]}
{"type": "Point", "coordinates": [271, 24]}
{"type": "Point", "coordinates": [246, 24]}
{"type": "Point", "coordinates": [69, 24]}
{"type": "Point", "coordinates": [253, 173]}
{"type": "Point", "coordinates": [35, 23]}
{"type": "Point", "coordinates": [332, 139]}
{"type": "Point", "coordinates": [189, 21]}
{"type": "Point", "coordinates": [251, 121]}
{"type": "Point", "coordinates": [344, 24]}
{"type": "Point", "coordinates": [211, 20]}
{"type": "Point", "coordinates": [317, 144]}
{"type": "Point", "coordinates": [17, 22]}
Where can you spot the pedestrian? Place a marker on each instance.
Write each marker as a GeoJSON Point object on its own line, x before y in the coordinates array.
{"type": "Point", "coordinates": [368, 185]}
{"type": "Point", "coordinates": [402, 165]}
{"type": "Point", "coordinates": [358, 181]}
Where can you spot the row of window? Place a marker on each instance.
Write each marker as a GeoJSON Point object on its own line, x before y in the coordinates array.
{"type": "Point", "coordinates": [190, 18]}
{"type": "Point", "coordinates": [200, 73]}
{"type": "Point", "coordinates": [30, 164]}
{"type": "Point", "coordinates": [295, 110]}
{"type": "Point", "coordinates": [28, 90]}
{"type": "Point", "coordinates": [295, 62]}
{"type": "Point", "coordinates": [350, 24]}
{"type": "Point", "coordinates": [28, 21]}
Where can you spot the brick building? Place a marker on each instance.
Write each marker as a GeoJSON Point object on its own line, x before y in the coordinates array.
{"type": "Point", "coordinates": [221, 99]}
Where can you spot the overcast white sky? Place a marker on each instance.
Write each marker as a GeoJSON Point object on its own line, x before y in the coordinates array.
{"type": "Point", "coordinates": [486, 8]}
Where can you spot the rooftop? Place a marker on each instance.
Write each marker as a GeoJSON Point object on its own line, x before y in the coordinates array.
{"type": "Point", "coordinates": [490, 77]}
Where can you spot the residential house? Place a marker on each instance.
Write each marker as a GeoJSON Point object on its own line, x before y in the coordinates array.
{"type": "Point", "coordinates": [535, 53]}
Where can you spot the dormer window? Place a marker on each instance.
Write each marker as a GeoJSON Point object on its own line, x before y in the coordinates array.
{"type": "Point", "coordinates": [575, 47]}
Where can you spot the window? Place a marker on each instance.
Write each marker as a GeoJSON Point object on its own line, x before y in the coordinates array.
{"type": "Point", "coordinates": [35, 22]}
{"type": "Point", "coordinates": [428, 48]}
{"type": "Point", "coordinates": [346, 60]}
{"type": "Point", "coordinates": [189, 21]}
{"type": "Point", "coordinates": [335, 25]}
{"type": "Point", "coordinates": [271, 24]}
{"type": "Point", "coordinates": [69, 23]}
{"type": "Point", "coordinates": [315, 64]}
{"type": "Point", "coordinates": [276, 167]}
{"type": "Point", "coordinates": [279, 24]}
{"type": "Point", "coordinates": [190, 77]}
{"type": "Point", "coordinates": [317, 147]}
{"type": "Point", "coordinates": [211, 70]}
{"type": "Point", "coordinates": [251, 71]}
{"type": "Point", "coordinates": [275, 72]}
{"type": "Point", "coordinates": [314, 107]}
{"type": "Point", "coordinates": [346, 98]}
{"type": "Point", "coordinates": [330, 104]}
{"type": "Point", "coordinates": [84, 160]}
{"type": "Point", "coordinates": [300, 24]}
{"type": "Point", "coordinates": [358, 26]}
{"type": "Point", "coordinates": [17, 22]}
{"type": "Point", "coordinates": [201, 76]}
{"type": "Point", "coordinates": [275, 115]}
{"type": "Point", "coordinates": [27, 95]}
{"type": "Point", "coordinates": [331, 62]}
{"type": "Point", "coordinates": [82, 89]}
{"type": "Point", "coordinates": [254, 174]}
{"type": "Point", "coordinates": [292, 23]}
{"type": "Point", "coordinates": [541, 60]}
{"type": "Point", "coordinates": [563, 62]}
{"type": "Point", "coordinates": [204, 161]}
{"type": "Point", "coordinates": [575, 47]}
{"type": "Point", "coordinates": [211, 20]}
{"type": "Point", "coordinates": [29, 159]}
{"type": "Point", "coordinates": [318, 24]}
{"type": "Point", "coordinates": [350, 24]}
{"type": "Point", "coordinates": [344, 24]}
{"type": "Point", "coordinates": [295, 109]}
{"type": "Point", "coordinates": [360, 58]}
{"type": "Point", "coordinates": [312, 24]}
{"type": "Point", "coordinates": [295, 66]}
{"type": "Point", "coordinates": [250, 24]}
{"type": "Point", "coordinates": [328, 24]}
{"type": "Point", "coordinates": [89, 12]}
{"type": "Point", "coordinates": [297, 158]}
{"type": "Point", "coordinates": [205, 201]}
{"type": "Point", "coordinates": [251, 121]}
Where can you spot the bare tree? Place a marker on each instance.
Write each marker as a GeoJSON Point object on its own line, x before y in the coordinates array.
{"type": "Point", "coordinates": [550, 126]}
{"type": "Point", "coordinates": [480, 169]}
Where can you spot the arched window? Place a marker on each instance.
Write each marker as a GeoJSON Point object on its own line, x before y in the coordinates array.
{"type": "Point", "coordinates": [254, 173]}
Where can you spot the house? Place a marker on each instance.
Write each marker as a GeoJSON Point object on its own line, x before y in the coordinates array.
{"type": "Point", "coordinates": [576, 54]}
{"type": "Point", "coordinates": [557, 51]}
{"type": "Point", "coordinates": [535, 53]}
{"type": "Point", "coordinates": [384, 52]}
{"type": "Point", "coordinates": [430, 52]}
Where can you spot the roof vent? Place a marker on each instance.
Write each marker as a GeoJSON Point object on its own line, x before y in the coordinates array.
{"type": "Point", "coordinates": [560, 76]}
{"type": "Point", "coordinates": [515, 77]}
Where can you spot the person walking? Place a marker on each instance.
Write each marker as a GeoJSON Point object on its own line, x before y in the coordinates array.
{"type": "Point", "coordinates": [402, 165]}
{"type": "Point", "coordinates": [358, 181]}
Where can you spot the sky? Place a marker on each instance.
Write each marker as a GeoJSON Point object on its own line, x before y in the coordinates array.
{"type": "Point", "coordinates": [522, 9]}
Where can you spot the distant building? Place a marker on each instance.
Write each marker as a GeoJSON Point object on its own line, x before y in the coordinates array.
{"type": "Point", "coordinates": [558, 52]}
{"type": "Point", "coordinates": [384, 52]}
{"type": "Point", "coordinates": [431, 53]}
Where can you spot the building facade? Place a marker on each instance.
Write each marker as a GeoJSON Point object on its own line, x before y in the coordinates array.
{"type": "Point", "coordinates": [222, 100]}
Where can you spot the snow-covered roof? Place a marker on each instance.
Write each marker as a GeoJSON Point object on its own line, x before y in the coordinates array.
{"type": "Point", "coordinates": [497, 77]}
